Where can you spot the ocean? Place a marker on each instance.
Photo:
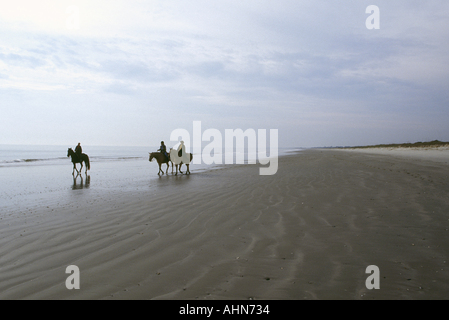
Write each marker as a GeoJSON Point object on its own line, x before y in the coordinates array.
{"type": "Point", "coordinates": [33, 176]}
{"type": "Point", "coordinates": [29, 155]}
{"type": "Point", "coordinates": [34, 155]}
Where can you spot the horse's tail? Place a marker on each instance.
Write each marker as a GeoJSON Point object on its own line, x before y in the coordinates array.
{"type": "Point", "coordinates": [87, 162]}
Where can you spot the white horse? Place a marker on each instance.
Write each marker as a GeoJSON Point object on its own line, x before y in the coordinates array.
{"type": "Point", "coordinates": [177, 159]}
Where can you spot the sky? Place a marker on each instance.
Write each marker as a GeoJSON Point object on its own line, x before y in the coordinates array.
{"type": "Point", "coordinates": [128, 73]}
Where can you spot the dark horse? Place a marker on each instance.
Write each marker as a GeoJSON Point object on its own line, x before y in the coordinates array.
{"type": "Point", "coordinates": [76, 159]}
{"type": "Point", "coordinates": [161, 158]}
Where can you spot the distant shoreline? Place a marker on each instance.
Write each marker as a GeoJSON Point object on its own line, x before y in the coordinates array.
{"type": "Point", "coordinates": [427, 144]}
{"type": "Point", "coordinates": [435, 151]}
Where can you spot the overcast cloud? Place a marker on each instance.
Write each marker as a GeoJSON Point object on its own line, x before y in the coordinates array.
{"type": "Point", "coordinates": [136, 70]}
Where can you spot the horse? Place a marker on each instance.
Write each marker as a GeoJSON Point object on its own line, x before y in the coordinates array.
{"type": "Point", "coordinates": [76, 159]}
{"type": "Point", "coordinates": [176, 159]}
{"type": "Point", "coordinates": [161, 158]}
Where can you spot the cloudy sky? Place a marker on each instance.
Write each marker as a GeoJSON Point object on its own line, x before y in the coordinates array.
{"type": "Point", "coordinates": [113, 72]}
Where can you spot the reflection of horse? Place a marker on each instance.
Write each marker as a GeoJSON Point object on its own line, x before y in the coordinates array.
{"type": "Point", "coordinates": [161, 158]}
{"type": "Point", "coordinates": [81, 185]}
{"type": "Point", "coordinates": [177, 158]}
{"type": "Point", "coordinates": [76, 159]}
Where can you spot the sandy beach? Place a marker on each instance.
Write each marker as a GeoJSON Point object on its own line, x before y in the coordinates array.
{"type": "Point", "coordinates": [428, 153]}
{"type": "Point", "coordinates": [307, 232]}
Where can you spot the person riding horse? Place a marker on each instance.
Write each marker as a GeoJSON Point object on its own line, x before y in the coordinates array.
{"type": "Point", "coordinates": [78, 150]}
{"type": "Point", "coordinates": [176, 157]}
{"type": "Point", "coordinates": [181, 148]}
{"type": "Point", "coordinates": [163, 150]}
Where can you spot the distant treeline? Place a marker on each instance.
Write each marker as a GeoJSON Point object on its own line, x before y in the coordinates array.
{"type": "Point", "coordinates": [434, 143]}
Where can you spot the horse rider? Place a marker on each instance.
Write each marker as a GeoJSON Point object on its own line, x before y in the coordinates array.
{"type": "Point", "coordinates": [78, 150]}
{"type": "Point", "coordinates": [181, 148]}
{"type": "Point", "coordinates": [163, 149]}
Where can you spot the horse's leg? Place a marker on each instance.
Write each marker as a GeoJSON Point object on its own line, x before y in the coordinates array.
{"type": "Point", "coordinates": [171, 167]}
{"type": "Point", "coordinates": [188, 170]}
{"type": "Point", "coordinates": [168, 166]}
{"type": "Point", "coordinates": [180, 165]}
{"type": "Point", "coordinates": [81, 168]}
{"type": "Point", "coordinates": [160, 169]}
{"type": "Point", "coordinates": [74, 168]}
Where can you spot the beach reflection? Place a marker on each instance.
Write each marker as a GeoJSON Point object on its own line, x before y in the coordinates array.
{"type": "Point", "coordinates": [170, 179]}
{"type": "Point", "coordinates": [82, 184]}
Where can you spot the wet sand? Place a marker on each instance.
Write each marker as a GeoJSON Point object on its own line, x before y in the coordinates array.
{"type": "Point", "coordinates": [308, 232]}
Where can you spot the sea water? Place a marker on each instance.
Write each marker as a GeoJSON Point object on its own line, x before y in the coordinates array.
{"type": "Point", "coordinates": [33, 176]}
{"type": "Point", "coordinates": [34, 155]}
